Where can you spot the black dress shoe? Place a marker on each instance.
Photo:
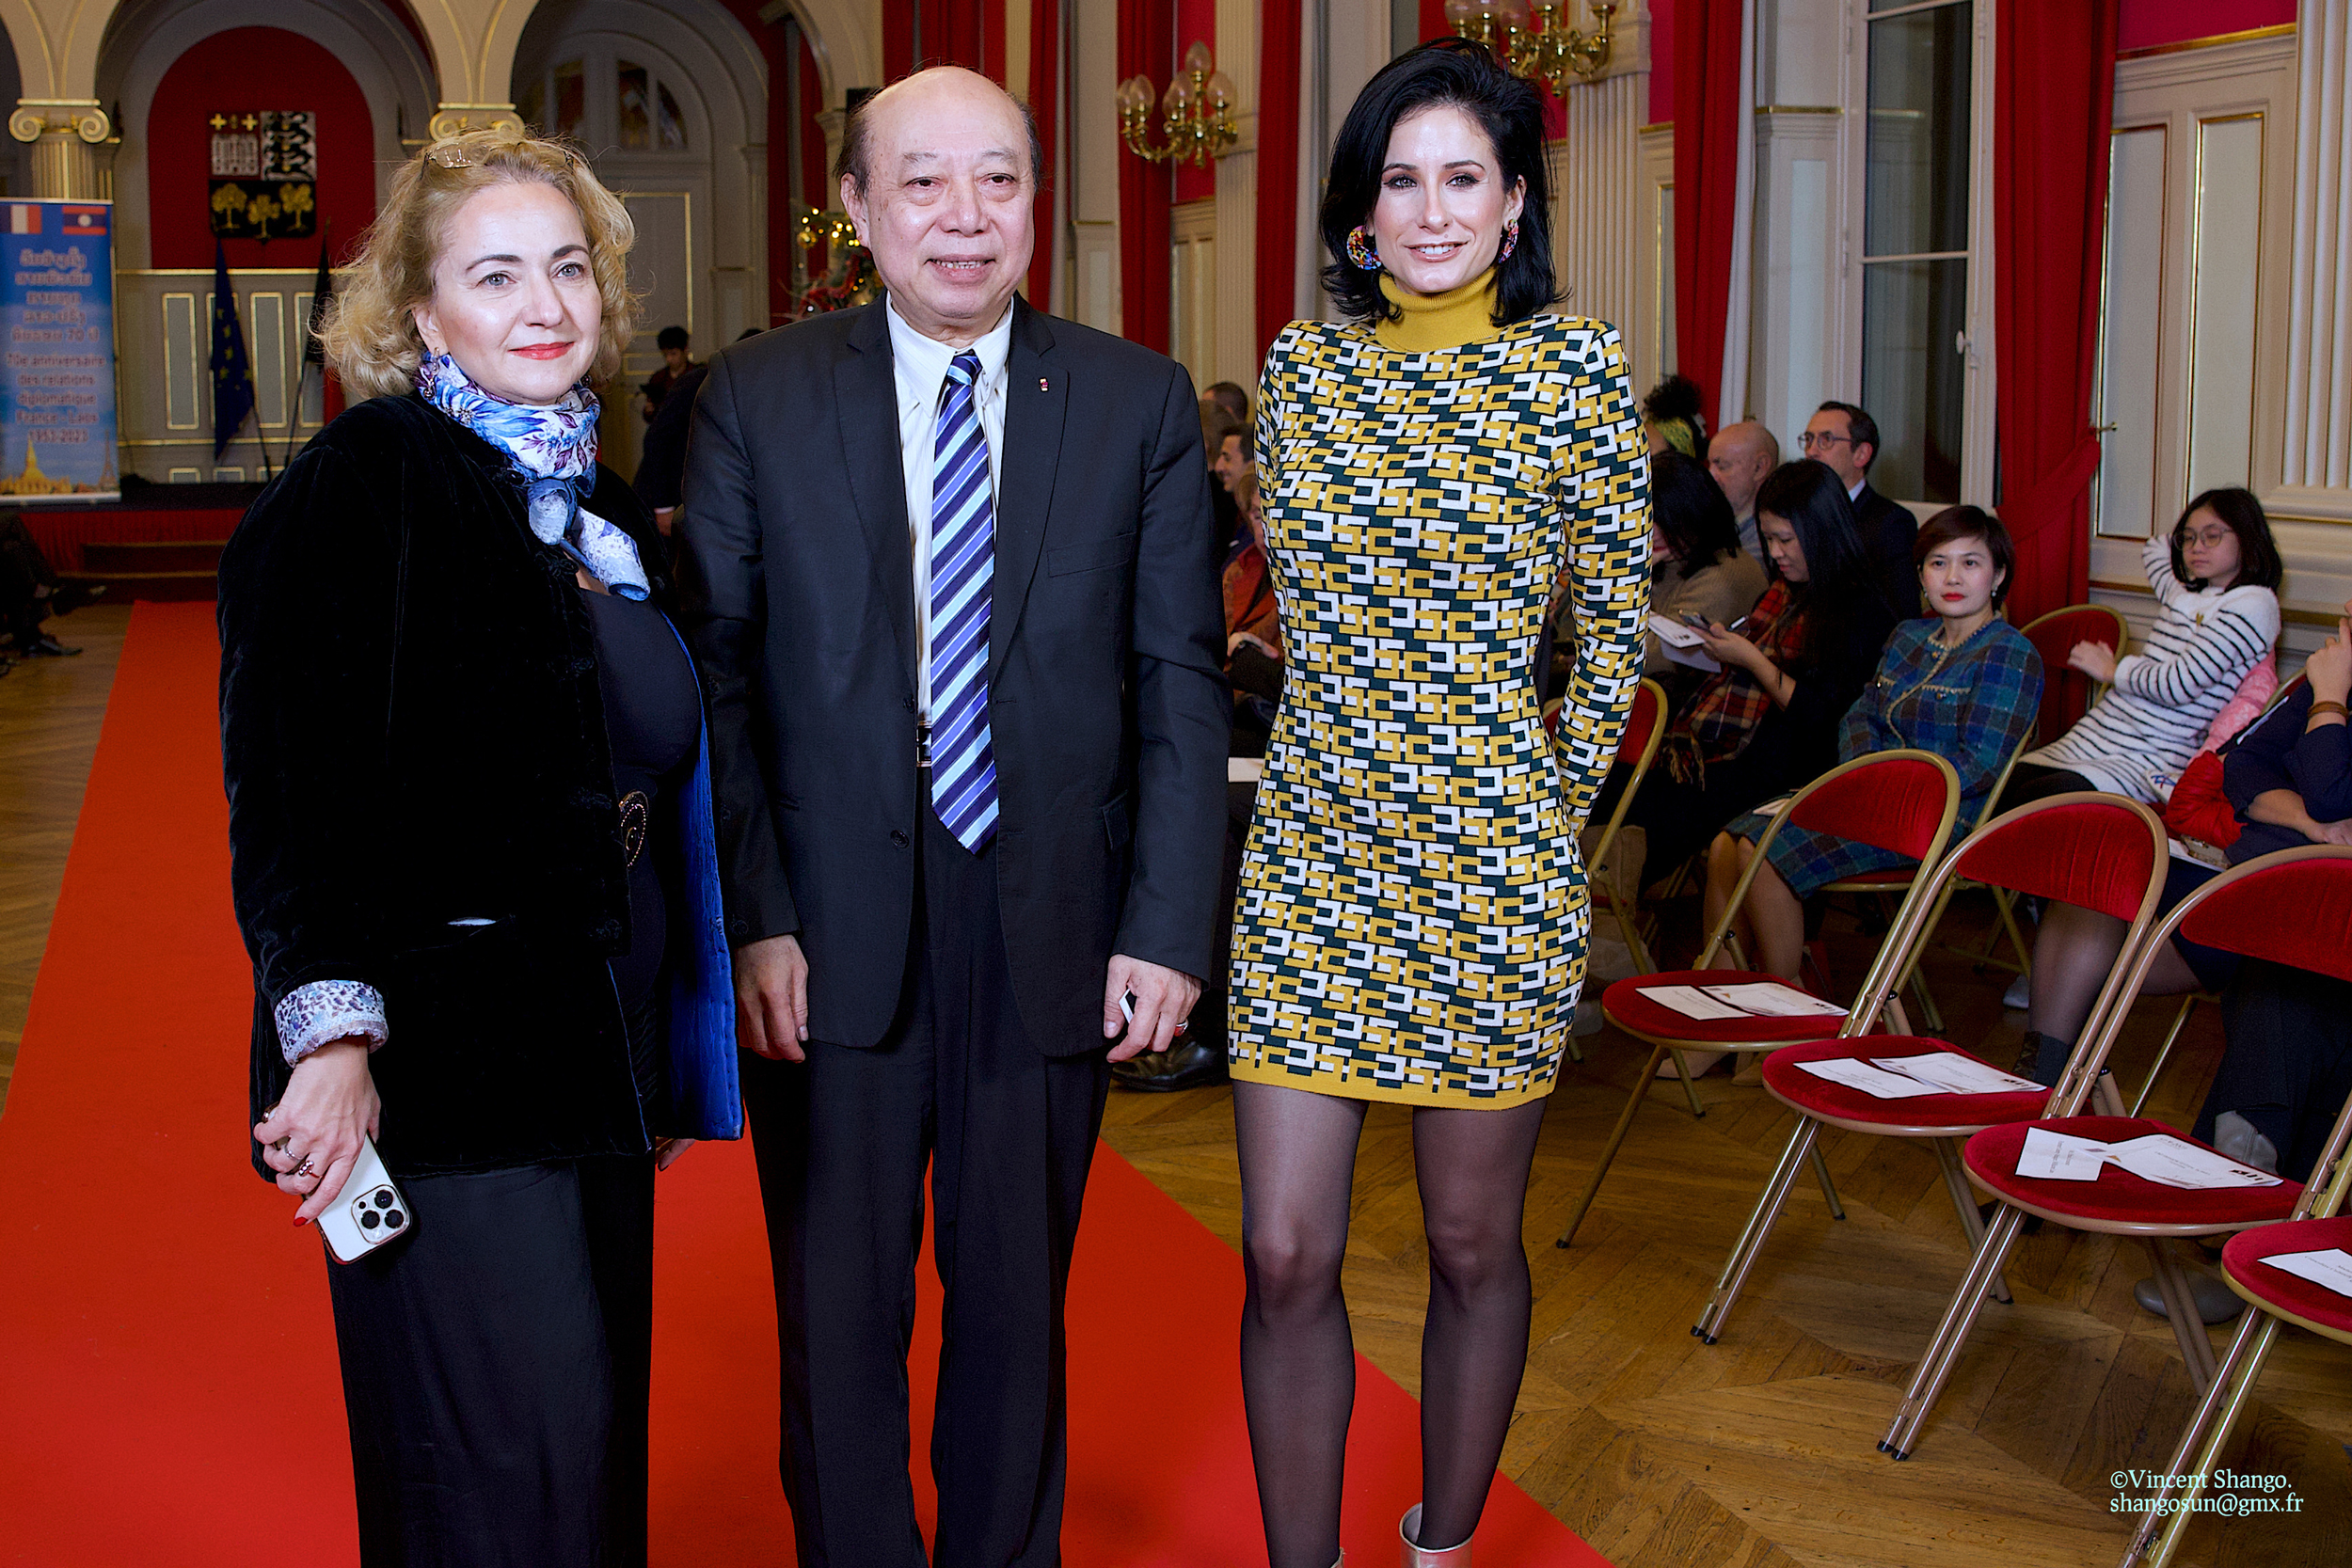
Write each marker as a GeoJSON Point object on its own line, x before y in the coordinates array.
{"type": "Point", "coordinates": [1189, 1064]}
{"type": "Point", "coordinates": [49, 647]}
{"type": "Point", "coordinates": [2216, 1302]}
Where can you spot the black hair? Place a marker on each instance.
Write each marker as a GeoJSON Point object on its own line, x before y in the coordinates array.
{"type": "Point", "coordinates": [1808, 496]}
{"type": "Point", "coordinates": [2257, 562]}
{"type": "Point", "coordinates": [1458, 72]}
{"type": "Point", "coordinates": [1690, 510]}
{"type": "Point", "coordinates": [1955, 523]}
{"type": "Point", "coordinates": [855, 127]}
{"type": "Point", "coordinates": [1861, 429]}
{"type": "Point", "coordinates": [671, 337]}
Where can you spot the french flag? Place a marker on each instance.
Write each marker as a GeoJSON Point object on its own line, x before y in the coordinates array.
{"type": "Point", "coordinates": [24, 218]}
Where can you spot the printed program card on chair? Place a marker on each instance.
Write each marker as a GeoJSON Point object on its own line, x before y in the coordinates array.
{"type": "Point", "coordinates": [2330, 1268]}
{"type": "Point", "coordinates": [2061, 1156]}
{"type": "Point", "coordinates": [1871, 1080]}
{"type": "Point", "coordinates": [1770, 999]}
{"type": "Point", "coordinates": [1954, 1073]}
{"type": "Point", "coordinates": [1690, 1002]}
{"type": "Point", "coordinates": [2174, 1161]}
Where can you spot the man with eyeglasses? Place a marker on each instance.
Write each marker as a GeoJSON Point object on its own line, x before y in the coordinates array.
{"type": "Point", "coordinates": [1846, 439]}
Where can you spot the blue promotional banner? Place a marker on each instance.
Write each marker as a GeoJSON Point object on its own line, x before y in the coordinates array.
{"type": "Point", "coordinates": [58, 373]}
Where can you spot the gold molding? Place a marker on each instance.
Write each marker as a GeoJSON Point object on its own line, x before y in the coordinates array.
{"type": "Point", "coordinates": [1799, 109]}
{"type": "Point", "coordinates": [2250, 35]}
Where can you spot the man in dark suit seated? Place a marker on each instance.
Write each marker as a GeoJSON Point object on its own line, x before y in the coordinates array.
{"type": "Point", "coordinates": [1846, 438]}
{"type": "Point", "coordinates": [947, 570]}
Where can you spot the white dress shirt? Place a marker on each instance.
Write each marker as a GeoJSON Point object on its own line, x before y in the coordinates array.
{"type": "Point", "coordinates": [920, 364]}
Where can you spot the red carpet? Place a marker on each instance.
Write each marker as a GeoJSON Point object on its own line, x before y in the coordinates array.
{"type": "Point", "coordinates": [167, 1384]}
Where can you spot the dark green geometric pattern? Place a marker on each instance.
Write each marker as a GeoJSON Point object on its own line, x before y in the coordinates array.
{"type": "Point", "coordinates": [1413, 911]}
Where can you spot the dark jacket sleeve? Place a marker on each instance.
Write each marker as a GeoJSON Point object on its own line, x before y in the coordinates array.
{"type": "Point", "coordinates": [1831, 679]}
{"type": "Point", "coordinates": [307, 613]}
{"type": "Point", "coordinates": [2280, 753]}
{"type": "Point", "coordinates": [723, 602]}
{"type": "Point", "coordinates": [1182, 711]}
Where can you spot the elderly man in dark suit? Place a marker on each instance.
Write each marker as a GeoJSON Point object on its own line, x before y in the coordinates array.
{"type": "Point", "coordinates": [948, 572]}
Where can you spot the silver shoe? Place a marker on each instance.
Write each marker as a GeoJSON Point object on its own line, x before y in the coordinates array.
{"type": "Point", "coordinates": [1421, 1557]}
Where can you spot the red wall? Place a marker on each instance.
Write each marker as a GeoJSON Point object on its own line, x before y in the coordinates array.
{"type": "Point", "coordinates": [2150, 23]}
{"type": "Point", "coordinates": [1196, 22]}
{"type": "Point", "coordinates": [255, 67]}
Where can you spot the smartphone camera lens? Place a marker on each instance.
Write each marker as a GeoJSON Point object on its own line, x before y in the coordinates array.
{"type": "Point", "coordinates": [383, 1198]}
{"type": "Point", "coordinates": [369, 1219]}
{"type": "Point", "coordinates": [394, 1220]}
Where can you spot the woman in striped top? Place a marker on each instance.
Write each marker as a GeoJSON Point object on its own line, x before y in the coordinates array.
{"type": "Point", "coordinates": [2215, 579]}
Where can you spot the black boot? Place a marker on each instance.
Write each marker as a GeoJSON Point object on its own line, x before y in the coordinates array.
{"type": "Point", "coordinates": [1190, 1063]}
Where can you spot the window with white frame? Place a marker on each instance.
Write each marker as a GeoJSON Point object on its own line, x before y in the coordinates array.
{"type": "Point", "coordinates": [1925, 258]}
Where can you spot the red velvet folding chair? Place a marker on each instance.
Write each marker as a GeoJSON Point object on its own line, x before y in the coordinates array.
{"type": "Point", "coordinates": [2278, 1297]}
{"type": "Point", "coordinates": [2066, 694]}
{"type": "Point", "coordinates": [1903, 801]}
{"type": "Point", "coordinates": [2100, 851]}
{"type": "Point", "coordinates": [2291, 908]}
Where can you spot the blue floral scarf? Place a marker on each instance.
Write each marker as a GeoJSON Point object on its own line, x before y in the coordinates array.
{"type": "Point", "coordinates": [554, 449]}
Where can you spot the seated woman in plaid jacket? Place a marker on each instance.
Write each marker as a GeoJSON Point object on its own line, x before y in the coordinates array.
{"type": "Point", "coordinates": [1963, 683]}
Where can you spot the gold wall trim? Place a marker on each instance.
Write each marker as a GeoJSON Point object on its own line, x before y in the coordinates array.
{"type": "Point", "coordinates": [2277, 30]}
{"type": "Point", "coordinates": [1799, 109]}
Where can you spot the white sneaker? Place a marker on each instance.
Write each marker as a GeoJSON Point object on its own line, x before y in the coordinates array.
{"type": "Point", "coordinates": [2019, 994]}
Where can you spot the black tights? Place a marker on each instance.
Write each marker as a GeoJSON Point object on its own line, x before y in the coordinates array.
{"type": "Point", "coordinates": [1297, 1357]}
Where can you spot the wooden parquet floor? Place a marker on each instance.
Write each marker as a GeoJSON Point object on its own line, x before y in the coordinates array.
{"type": "Point", "coordinates": [1756, 1452]}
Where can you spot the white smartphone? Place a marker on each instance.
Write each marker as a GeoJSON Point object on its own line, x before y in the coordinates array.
{"type": "Point", "coordinates": [368, 1212]}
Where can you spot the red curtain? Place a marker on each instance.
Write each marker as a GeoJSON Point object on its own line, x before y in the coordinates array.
{"type": "Point", "coordinates": [1707, 176]}
{"type": "Point", "coordinates": [1046, 103]}
{"type": "Point", "coordinates": [1147, 47]}
{"type": "Point", "coordinates": [2054, 106]}
{"type": "Point", "coordinates": [1279, 62]}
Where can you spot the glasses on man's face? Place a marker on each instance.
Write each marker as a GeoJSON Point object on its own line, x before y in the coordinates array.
{"type": "Point", "coordinates": [1812, 438]}
{"type": "Point", "coordinates": [2210, 538]}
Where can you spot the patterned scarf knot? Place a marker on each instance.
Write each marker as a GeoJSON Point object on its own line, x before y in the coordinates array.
{"type": "Point", "coordinates": [553, 446]}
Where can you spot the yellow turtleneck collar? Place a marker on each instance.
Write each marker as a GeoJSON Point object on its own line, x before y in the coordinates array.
{"type": "Point", "coordinates": [1431, 322]}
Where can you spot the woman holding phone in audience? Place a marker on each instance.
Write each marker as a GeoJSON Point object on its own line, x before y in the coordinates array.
{"type": "Point", "coordinates": [1699, 576]}
{"type": "Point", "coordinates": [1429, 468]}
{"type": "Point", "coordinates": [469, 817]}
{"type": "Point", "coordinates": [1963, 683]}
{"type": "Point", "coordinates": [1767, 718]}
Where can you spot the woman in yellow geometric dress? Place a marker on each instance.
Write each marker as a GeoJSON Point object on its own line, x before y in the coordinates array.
{"type": "Point", "coordinates": [1413, 911]}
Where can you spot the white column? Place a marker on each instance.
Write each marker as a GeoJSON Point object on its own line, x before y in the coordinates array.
{"type": "Point", "coordinates": [1235, 352]}
{"type": "Point", "coordinates": [1602, 233]}
{"type": "Point", "coordinates": [2316, 472]}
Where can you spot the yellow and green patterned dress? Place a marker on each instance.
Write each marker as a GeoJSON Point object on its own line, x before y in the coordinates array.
{"type": "Point", "coordinates": [1413, 911]}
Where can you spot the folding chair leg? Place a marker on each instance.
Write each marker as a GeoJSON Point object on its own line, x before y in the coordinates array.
{"type": "Point", "coordinates": [1689, 1087]}
{"type": "Point", "coordinates": [1829, 1188]}
{"type": "Point", "coordinates": [1609, 1150]}
{"type": "Point", "coordinates": [2164, 1052]}
{"type": "Point", "coordinates": [1951, 1335]}
{"type": "Point", "coordinates": [2006, 902]}
{"type": "Point", "coordinates": [1804, 1141]}
{"type": "Point", "coordinates": [1965, 1200]}
{"type": "Point", "coordinates": [2208, 1430]}
{"type": "Point", "coordinates": [1630, 928]}
{"type": "Point", "coordinates": [2180, 1306]}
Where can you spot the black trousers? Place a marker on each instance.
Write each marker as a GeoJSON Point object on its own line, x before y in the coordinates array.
{"type": "Point", "coordinates": [2029, 782]}
{"type": "Point", "coordinates": [842, 1140]}
{"type": "Point", "coordinates": [496, 1364]}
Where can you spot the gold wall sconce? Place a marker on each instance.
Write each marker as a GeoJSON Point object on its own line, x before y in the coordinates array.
{"type": "Point", "coordinates": [1534, 39]}
{"type": "Point", "coordinates": [1195, 115]}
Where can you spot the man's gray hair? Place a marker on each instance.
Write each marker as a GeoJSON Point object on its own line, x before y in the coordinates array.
{"type": "Point", "coordinates": [853, 162]}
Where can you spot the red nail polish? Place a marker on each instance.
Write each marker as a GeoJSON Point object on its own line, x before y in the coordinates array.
{"type": "Point", "coordinates": [300, 1222]}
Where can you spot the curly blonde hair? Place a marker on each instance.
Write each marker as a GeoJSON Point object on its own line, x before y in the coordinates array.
{"type": "Point", "coordinates": [370, 334]}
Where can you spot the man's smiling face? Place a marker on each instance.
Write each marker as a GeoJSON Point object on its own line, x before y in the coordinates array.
{"type": "Point", "coordinates": [945, 209]}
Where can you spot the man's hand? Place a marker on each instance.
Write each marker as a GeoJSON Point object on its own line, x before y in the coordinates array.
{"type": "Point", "coordinates": [2329, 669]}
{"type": "Point", "coordinates": [772, 998]}
{"type": "Point", "coordinates": [2095, 660]}
{"type": "Point", "coordinates": [1163, 1001]}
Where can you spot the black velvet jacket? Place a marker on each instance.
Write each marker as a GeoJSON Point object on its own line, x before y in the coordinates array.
{"type": "Point", "coordinates": [413, 737]}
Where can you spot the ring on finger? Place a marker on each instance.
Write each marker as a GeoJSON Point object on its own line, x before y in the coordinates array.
{"type": "Point", "coordinates": [305, 1168]}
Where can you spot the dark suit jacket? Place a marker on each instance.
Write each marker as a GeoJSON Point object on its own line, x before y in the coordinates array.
{"type": "Point", "coordinates": [1108, 712]}
{"type": "Point", "coordinates": [1888, 531]}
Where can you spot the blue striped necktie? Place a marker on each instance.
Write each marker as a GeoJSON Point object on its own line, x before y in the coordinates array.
{"type": "Point", "coordinates": [963, 543]}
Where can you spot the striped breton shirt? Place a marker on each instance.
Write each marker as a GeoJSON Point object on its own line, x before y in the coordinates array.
{"type": "Point", "coordinates": [2142, 732]}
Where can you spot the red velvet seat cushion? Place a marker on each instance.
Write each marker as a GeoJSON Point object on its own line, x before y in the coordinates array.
{"type": "Point", "coordinates": [2291, 1293]}
{"type": "Point", "coordinates": [2118, 1196]}
{"type": "Point", "coordinates": [1630, 1011]}
{"type": "Point", "coordinates": [1819, 1097]}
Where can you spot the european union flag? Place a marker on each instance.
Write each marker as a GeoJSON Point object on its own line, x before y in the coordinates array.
{"type": "Point", "coordinates": [233, 373]}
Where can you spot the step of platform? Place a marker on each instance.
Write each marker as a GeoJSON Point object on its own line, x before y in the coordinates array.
{"type": "Point", "coordinates": [109, 558]}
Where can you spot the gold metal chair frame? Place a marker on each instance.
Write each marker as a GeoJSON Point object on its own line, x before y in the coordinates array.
{"type": "Point", "coordinates": [2074, 1088]}
{"type": "Point", "coordinates": [1628, 923]}
{"type": "Point", "coordinates": [1874, 996]}
{"type": "Point", "coordinates": [1907, 942]}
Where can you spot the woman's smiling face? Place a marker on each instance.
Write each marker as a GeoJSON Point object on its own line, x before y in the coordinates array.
{"type": "Point", "coordinates": [1443, 204]}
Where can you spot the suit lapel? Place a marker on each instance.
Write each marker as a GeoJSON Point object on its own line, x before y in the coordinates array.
{"type": "Point", "coordinates": [1037, 393]}
{"type": "Point", "coordinates": [866, 401]}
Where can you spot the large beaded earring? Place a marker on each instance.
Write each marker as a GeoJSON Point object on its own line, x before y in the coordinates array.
{"type": "Point", "coordinates": [1510, 241]}
{"type": "Point", "coordinates": [1359, 248]}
